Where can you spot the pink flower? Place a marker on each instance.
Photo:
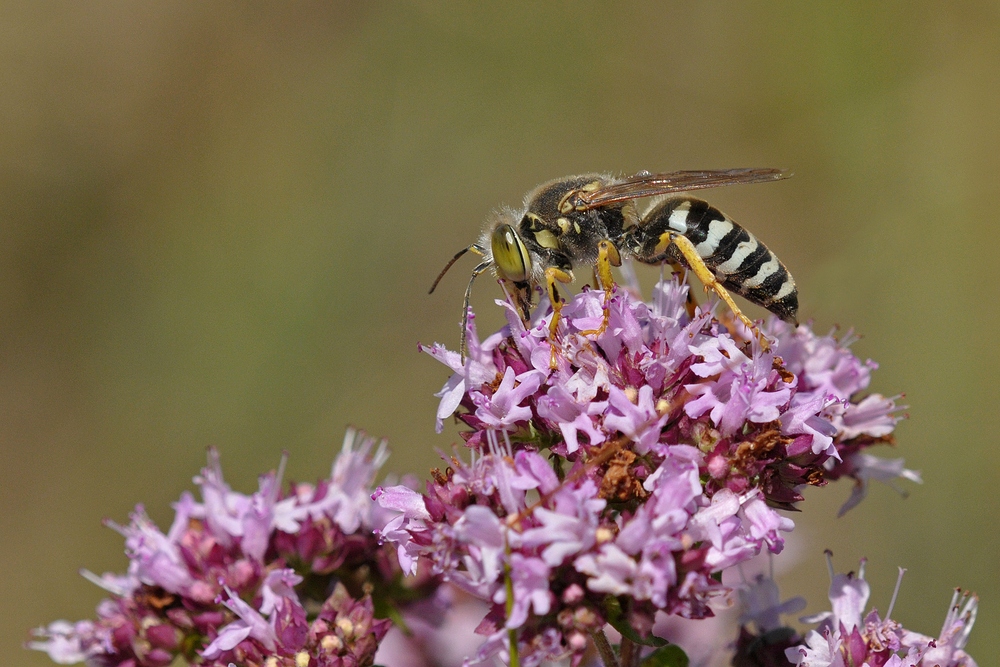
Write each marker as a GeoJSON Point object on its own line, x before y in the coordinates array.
{"type": "Point", "coordinates": [846, 636]}
{"type": "Point", "coordinates": [639, 454]}
{"type": "Point", "coordinates": [218, 585]}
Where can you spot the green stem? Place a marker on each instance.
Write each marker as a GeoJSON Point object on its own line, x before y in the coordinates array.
{"type": "Point", "coordinates": [604, 649]}
{"type": "Point", "coordinates": [508, 582]}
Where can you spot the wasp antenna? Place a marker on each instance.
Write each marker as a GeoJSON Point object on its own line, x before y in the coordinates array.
{"type": "Point", "coordinates": [465, 307]}
{"type": "Point", "coordinates": [447, 266]}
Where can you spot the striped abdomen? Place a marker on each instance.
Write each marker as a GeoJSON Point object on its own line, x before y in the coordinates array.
{"type": "Point", "coordinates": [739, 261]}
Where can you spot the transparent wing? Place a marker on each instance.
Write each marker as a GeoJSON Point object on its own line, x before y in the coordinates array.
{"type": "Point", "coordinates": [645, 184]}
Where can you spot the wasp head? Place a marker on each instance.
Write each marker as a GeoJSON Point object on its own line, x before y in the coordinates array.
{"type": "Point", "coordinates": [512, 263]}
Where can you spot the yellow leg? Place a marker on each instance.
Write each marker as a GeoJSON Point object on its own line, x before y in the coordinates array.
{"type": "Point", "coordinates": [607, 256]}
{"type": "Point", "coordinates": [552, 276]}
{"type": "Point", "coordinates": [706, 276]}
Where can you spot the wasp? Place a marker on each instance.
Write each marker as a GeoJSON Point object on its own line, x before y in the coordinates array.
{"type": "Point", "coordinates": [594, 220]}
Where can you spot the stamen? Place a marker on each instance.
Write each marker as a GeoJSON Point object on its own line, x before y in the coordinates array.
{"type": "Point", "coordinates": [892, 603]}
{"type": "Point", "coordinates": [280, 475]}
{"type": "Point", "coordinates": [510, 448]}
{"type": "Point", "coordinates": [829, 563]}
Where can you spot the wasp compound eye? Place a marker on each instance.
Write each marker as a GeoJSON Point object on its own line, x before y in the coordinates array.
{"type": "Point", "coordinates": [510, 255]}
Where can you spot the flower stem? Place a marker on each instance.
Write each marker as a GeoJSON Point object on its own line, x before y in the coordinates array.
{"type": "Point", "coordinates": [515, 660]}
{"type": "Point", "coordinates": [508, 582]}
{"type": "Point", "coordinates": [629, 652]}
{"type": "Point", "coordinates": [604, 648]}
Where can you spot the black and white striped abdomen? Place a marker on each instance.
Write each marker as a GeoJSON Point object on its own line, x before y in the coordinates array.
{"type": "Point", "coordinates": [739, 261]}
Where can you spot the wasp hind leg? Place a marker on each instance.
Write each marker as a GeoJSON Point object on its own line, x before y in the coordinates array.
{"type": "Point", "coordinates": [705, 275]}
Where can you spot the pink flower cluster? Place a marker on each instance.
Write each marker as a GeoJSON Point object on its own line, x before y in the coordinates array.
{"type": "Point", "coordinates": [616, 471]}
{"type": "Point", "coordinates": [233, 578]}
{"type": "Point", "coordinates": [847, 636]}
{"type": "Point", "coordinates": [618, 474]}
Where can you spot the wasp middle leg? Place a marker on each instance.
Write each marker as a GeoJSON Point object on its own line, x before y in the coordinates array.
{"type": "Point", "coordinates": [552, 276]}
{"type": "Point", "coordinates": [607, 256]}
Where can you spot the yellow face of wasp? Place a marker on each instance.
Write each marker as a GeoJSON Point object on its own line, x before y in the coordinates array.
{"type": "Point", "coordinates": [510, 255]}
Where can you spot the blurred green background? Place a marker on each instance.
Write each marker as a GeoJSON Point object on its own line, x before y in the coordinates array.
{"type": "Point", "coordinates": [219, 222]}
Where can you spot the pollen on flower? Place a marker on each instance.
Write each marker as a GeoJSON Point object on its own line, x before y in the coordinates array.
{"type": "Point", "coordinates": [345, 626]}
{"type": "Point", "coordinates": [603, 535]}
